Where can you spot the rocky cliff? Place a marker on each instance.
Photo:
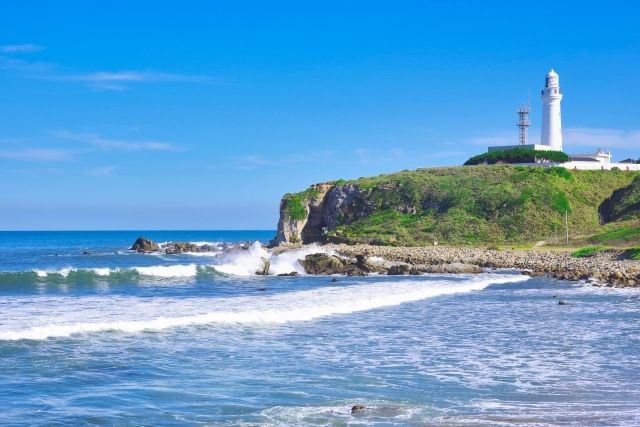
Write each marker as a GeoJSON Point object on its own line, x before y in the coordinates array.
{"type": "Point", "coordinates": [307, 217]}
{"type": "Point", "coordinates": [451, 205]}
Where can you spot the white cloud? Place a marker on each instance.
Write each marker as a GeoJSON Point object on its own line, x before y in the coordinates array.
{"type": "Point", "coordinates": [110, 80]}
{"type": "Point", "coordinates": [602, 137]}
{"type": "Point", "coordinates": [102, 171]}
{"type": "Point", "coordinates": [21, 48]}
{"type": "Point", "coordinates": [114, 144]}
{"type": "Point", "coordinates": [444, 154]}
{"type": "Point", "coordinates": [118, 80]}
{"type": "Point", "coordinates": [572, 137]}
{"type": "Point", "coordinates": [501, 138]}
{"type": "Point", "coordinates": [369, 156]}
{"type": "Point", "coordinates": [252, 161]}
{"type": "Point", "coordinates": [37, 154]}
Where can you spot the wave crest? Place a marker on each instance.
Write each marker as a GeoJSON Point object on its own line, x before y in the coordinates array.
{"type": "Point", "coordinates": [297, 306]}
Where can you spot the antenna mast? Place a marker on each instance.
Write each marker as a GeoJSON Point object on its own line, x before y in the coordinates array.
{"type": "Point", "coordinates": [524, 123]}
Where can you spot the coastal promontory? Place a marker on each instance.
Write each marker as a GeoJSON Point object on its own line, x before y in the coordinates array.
{"type": "Point", "coordinates": [496, 204]}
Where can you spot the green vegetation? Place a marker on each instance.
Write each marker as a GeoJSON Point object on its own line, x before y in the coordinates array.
{"type": "Point", "coordinates": [294, 204]}
{"type": "Point", "coordinates": [498, 204]}
{"type": "Point", "coordinates": [585, 252]}
{"type": "Point", "coordinates": [621, 235]}
{"type": "Point", "coordinates": [517, 155]}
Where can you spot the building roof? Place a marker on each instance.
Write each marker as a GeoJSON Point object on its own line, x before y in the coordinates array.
{"type": "Point", "coordinates": [582, 159]}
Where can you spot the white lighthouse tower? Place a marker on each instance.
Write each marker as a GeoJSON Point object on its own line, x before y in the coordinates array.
{"type": "Point", "coordinates": [551, 119]}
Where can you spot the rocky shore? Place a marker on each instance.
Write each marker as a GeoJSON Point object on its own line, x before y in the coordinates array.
{"type": "Point", "coordinates": [603, 268]}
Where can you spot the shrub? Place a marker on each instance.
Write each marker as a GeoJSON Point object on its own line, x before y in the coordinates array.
{"type": "Point", "coordinates": [518, 155]}
{"type": "Point", "coordinates": [586, 252]}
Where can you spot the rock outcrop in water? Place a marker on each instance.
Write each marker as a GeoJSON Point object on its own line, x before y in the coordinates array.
{"type": "Point", "coordinates": [142, 244]}
{"type": "Point", "coordinates": [182, 247]}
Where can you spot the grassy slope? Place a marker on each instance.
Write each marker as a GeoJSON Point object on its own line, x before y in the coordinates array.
{"type": "Point", "coordinates": [474, 204]}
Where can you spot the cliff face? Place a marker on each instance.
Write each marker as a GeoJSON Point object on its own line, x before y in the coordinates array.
{"type": "Point", "coordinates": [326, 206]}
{"type": "Point", "coordinates": [450, 205]}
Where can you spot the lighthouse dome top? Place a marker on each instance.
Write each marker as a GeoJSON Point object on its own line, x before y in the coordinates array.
{"type": "Point", "coordinates": [552, 79]}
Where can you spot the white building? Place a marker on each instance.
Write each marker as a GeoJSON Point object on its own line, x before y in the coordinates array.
{"type": "Point", "coordinates": [551, 118]}
{"type": "Point", "coordinates": [551, 135]}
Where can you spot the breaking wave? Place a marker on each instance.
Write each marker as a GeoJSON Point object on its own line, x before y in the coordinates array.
{"type": "Point", "coordinates": [132, 315]}
{"type": "Point", "coordinates": [247, 262]}
{"type": "Point", "coordinates": [235, 262]}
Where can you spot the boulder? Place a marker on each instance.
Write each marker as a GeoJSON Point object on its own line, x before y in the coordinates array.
{"type": "Point", "coordinates": [321, 263]}
{"type": "Point", "coordinates": [292, 274]}
{"type": "Point", "coordinates": [357, 408]}
{"type": "Point", "coordinates": [454, 267]}
{"type": "Point", "coordinates": [181, 247]}
{"type": "Point", "coordinates": [402, 270]}
{"type": "Point", "coordinates": [142, 244]}
{"type": "Point", "coordinates": [266, 264]}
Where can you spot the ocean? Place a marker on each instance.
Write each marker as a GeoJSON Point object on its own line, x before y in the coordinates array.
{"type": "Point", "coordinates": [94, 334]}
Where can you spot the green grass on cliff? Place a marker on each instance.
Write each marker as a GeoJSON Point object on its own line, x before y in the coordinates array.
{"type": "Point", "coordinates": [294, 204]}
{"type": "Point", "coordinates": [618, 236]}
{"type": "Point", "coordinates": [474, 204]}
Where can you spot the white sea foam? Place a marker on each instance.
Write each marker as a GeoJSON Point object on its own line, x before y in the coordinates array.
{"type": "Point", "coordinates": [179, 270]}
{"type": "Point", "coordinates": [212, 254]}
{"type": "Point", "coordinates": [286, 262]}
{"type": "Point", "coordinates": [236, 262]}
{"type": "Point", "coordinates": [64, 272]}
{"type": "Point", "coordinates": [246, 262]}
{"type": "Point", "coordinates": [104, 271]}
{"type": "Point", "coordinates": [127, 314]}
{"type": "Point", "coordinates": [243, 262]}
{"type": "Point", "coordinates": [203, 243]}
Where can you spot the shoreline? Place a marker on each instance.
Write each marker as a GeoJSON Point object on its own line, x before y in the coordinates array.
{"type": "Point", "coordinates": [601, 269]}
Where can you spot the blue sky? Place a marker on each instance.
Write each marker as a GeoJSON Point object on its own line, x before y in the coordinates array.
{"type": "Point", "coordinates": [200, 115]}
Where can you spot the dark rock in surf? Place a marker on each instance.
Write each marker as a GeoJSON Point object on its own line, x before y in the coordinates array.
{"type": "Point", "coordinates": [292, 274]}
{"type": "Point", "coordinates": [323, 264]}
{"type": "Point", "coordinates": [181, 247]}
{"type": "Point", "coordinates": [266, 265]}
{"type": "Point", "coordinates": [357, 408]}
{"type": "Point", "coordinates": [142, 244]}
{"type": "Point", "coordinates": [402, 270]}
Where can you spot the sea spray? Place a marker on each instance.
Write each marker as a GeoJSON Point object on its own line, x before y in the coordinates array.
{"type": "Point", "coordinates": [246, 262]}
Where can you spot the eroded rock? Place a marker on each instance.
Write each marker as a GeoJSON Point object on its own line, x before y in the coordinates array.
{"type": "Point", "coordinates": [142, 244]}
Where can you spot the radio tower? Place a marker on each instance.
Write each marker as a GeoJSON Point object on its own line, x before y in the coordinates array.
{"type": "Point", "coordinates": [524, 123]}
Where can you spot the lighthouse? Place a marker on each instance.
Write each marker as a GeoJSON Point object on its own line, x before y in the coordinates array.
{"type": "Point", "coordinates": [551, 119]}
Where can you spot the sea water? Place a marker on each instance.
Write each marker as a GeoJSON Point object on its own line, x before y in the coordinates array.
{"type": "Point", "coordinates": [94, 334]}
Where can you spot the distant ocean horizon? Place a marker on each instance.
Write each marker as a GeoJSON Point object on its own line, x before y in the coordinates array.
{"type": "Point", "coordinates": [94, 333]}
